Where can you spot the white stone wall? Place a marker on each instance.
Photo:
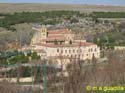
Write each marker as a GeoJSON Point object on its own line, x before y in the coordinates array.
{"type": "Point", "coordinates": [73, 52]}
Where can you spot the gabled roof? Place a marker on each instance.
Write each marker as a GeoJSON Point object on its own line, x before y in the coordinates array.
{"type": "Point", "coordinates": [55, 37]}
{"type": "Point", "coordinates": [60, 31]}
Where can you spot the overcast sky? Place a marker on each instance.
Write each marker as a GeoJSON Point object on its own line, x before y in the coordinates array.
{"type": "Point", "coordinates": [104, 2]}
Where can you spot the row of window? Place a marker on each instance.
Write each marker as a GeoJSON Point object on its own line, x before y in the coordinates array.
{"type": "Point", "coordinates": [92, 50]}
{"type": "Point", "coordinates": [73, 50]}
{"type": "Point", "coordinates": [76, 56]}
{"type": "Point", "coordinates": [67, 51]}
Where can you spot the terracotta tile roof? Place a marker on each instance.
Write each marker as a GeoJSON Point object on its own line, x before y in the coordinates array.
{"type": "Point", "coordinates": [67, 45]}
{"type": "Point", "coordinates": [86, 43]}
{"type": "Point", "coordinates": [53, 38]}
{"type": "Point", "coordinates": [60, 31]}
{"type": "Point", "coordinates": [55, 35]}
{"type": "Point", "coordinates": [52, 45]}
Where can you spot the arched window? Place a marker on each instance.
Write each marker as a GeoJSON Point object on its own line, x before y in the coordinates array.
{"type": "Point", "coordinates": [70, 42]}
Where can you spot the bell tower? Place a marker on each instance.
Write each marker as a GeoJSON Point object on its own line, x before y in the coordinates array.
{"type": "Point", "coordinates": [43, 31]}
{"type": "Point", "coordinates": [40, 34]}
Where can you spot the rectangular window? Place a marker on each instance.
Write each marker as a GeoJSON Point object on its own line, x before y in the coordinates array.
{"type": "Point", "coordinates": [77, 51]}
{"type": "Point", "coordinates": [69, 51]}
{"type": "Point", "coordinates": [65, 51]}
{"type": "Point", "coordinates": [95, 49]}
{"type": "Point", "coordinates": [57, 50]}
{"type": "Point", "coordinates": [91, 50]}
{"type": "Point", "coordinates": [80, 50]}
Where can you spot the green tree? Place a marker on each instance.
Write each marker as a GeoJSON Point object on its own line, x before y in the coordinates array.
{"type": "Point", "coordinates": [35, 56]}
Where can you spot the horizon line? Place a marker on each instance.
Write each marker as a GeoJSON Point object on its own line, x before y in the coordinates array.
{"type": "Point", "coordinates": [61, 3]}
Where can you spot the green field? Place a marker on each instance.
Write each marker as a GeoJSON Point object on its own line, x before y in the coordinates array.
{"type": "Point", "coordinates": [109, 14]}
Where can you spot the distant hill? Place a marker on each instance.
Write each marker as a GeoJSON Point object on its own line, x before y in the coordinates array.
{"type": "Point", "coordinates": [11, 8]}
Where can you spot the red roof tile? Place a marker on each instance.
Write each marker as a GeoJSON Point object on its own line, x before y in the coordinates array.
{"type": "Point", "coordinates": [86, 43]}
{"type": "Point", "coordinates": [67, 45]}
{"type": "Point", "coordinates": [55, 35]}
{"type": "Point", "coordinates": [59, 31]}
{"type": "Point", "coordinates": [53, 38]}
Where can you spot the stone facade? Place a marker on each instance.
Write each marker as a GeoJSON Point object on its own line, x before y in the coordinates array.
{"type": "Point", "coordinates": [61, 44]}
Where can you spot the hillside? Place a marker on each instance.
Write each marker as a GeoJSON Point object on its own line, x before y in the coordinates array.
{"type": "Point", "coordinates": [10, 8]}
{"type": "Point", "coordinates": [89, 25]}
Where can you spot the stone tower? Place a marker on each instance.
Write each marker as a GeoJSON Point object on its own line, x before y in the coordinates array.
{"type": "Point", "coordinates": [41, 33]}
